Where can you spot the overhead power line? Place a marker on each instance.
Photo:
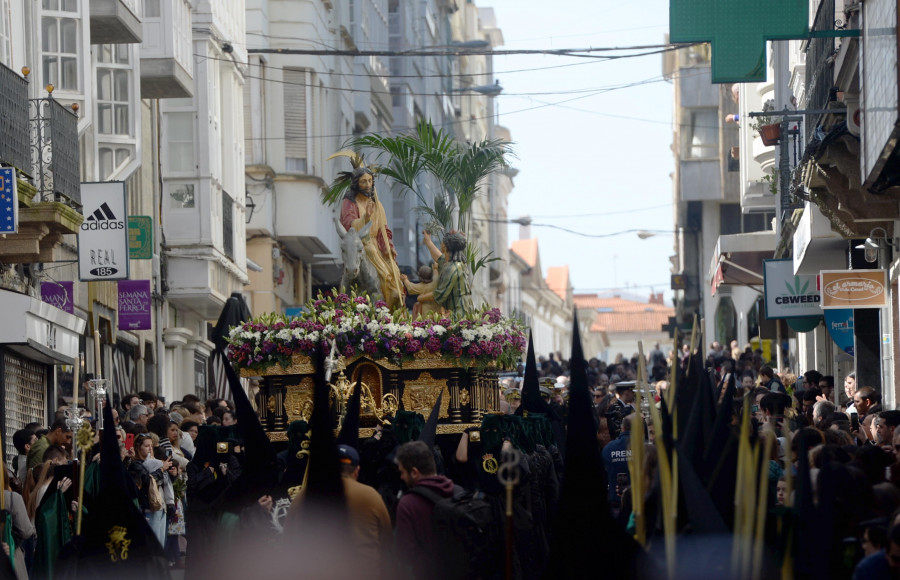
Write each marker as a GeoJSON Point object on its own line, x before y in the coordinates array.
{"type": "Point", "coordinates": [579, 52]}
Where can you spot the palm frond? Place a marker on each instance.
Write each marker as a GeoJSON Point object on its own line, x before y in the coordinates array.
{"type": "Point", "coordinates": [475, 260]}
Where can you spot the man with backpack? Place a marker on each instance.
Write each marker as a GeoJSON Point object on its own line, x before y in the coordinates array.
{"type": "Point", "coordinates": [416, 545]}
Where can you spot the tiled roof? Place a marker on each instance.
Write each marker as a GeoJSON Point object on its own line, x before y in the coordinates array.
{"type": "Point", "coordinates": [620, 315]}
{"type": "Point", "coordinates": [527, 250]}
{"type": "Point", "coordinates": [558, 280]}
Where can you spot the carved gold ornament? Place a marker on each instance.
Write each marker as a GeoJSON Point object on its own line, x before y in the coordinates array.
{"type": "Point", "coordinates": [464, 397]}
{"type": "Point", "coordinates": [420, 395]}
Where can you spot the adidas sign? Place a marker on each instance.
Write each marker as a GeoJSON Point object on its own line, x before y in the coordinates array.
{"type": "Point", "coordinates": [103, 219]}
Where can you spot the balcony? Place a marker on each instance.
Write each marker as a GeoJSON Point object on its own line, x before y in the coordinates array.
{"type": "Point", "coordinates": [15, 150]}
{"type": "Point", "coordinates": [820, 55]}
{"type": "Point", "coordinates": [54, 152]}
{"type": "Point", "coordinates": [167, 70]}
{"type": "Point", "coordinates": [115, 22]}
{"type": "Point", "coordinates": [40, 140]}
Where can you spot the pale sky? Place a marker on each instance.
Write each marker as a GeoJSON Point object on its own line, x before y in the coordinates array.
{"type": "Point", "coordinates": [600, 154]}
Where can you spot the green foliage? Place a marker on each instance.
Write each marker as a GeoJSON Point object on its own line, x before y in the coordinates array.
{"type": "Point", "coordinates": [459, 169]}
{"type": "Point", "coordinates": [475, 260]}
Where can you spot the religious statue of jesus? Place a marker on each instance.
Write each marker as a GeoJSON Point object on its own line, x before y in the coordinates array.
{"type": "Point", "coordinates": [361, 206]}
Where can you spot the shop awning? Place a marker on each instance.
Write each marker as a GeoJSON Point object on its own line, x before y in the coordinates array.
{"type": "Point", "coordinates": [738, 259]}
{"type": "Point", "coordinates": [37, 330]}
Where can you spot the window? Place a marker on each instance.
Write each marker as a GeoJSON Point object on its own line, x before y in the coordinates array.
{"type": "Point", "coordinates": [294, 91]}
{"type": "Point", "coordinates": [59, 44]}
{"type": "Point", "coordinates": [113, 90]}
{"type": "Point", "coordinates": [227, 225]}
{"type": "Point", "coordinates": [702, 134]}
{"type": "Point", "coordinates": [151, 9]}
{"type": "Point", "coordinates": [729, 218]}
{"type": "Point", "coordinates": [758, 222]}
{"type": "Point", "coordinates": [180, 136]}
{"type": "Point", "coordinates": [5, 34]}
{"type": "Point", "coordinates": [115, 109]}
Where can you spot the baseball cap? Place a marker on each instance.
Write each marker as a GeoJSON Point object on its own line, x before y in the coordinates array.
{"type": "Point", "coordinates": [348, 455]}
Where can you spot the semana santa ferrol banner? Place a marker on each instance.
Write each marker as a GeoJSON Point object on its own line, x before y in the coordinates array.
{"type": "Point", "coordinates": [134, 305]}
{"type": "Point", "coordinates": [854, 288]}
{"type": "Point", "coordinates": [839, 322]}
{"type": "Point", "coordinates": [789, 295]}
{"type": "Point", "coordinates": [59, 294]}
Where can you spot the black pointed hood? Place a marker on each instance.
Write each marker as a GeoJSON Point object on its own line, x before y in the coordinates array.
{"type": "Point", "coordinates": [234, 313]}
{"type": "Point", "coordinates": [349, 434]}
{"type": "Point", "coordinates": [584, 515]}
{"type": "Point", "coordinates": [324, 487]}
{"type": "Point", "coordinates": [114, 518]}
{"type": "Point", "coordinates": [531, 389]}
{"type": "Point", "coordinates": [429, 432]}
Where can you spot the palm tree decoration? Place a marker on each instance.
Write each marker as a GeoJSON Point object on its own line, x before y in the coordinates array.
{"type": "Point", "coordinates": [459, 169]}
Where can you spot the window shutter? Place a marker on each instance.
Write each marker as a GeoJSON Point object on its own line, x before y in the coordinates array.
{"type": "Point", "coordinates": [294, 90]}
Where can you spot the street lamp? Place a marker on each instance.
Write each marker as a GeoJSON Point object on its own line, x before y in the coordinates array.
{"type": "Point", "coordinates": [644, 234]}
{"type": "Point", "coordinates": [486, 90]}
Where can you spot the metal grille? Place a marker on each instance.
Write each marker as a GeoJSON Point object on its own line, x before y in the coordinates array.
{"type": "Point", "coordinates": [124, 370]}
{"type": "Point", "coordinates": [25, 396]}
{"type": "Point", "coordinates": [54, 147]}
{"type": "Point", "coordinates": [819, 65]}
{"type": "Point", "coordinates": [14, 120]}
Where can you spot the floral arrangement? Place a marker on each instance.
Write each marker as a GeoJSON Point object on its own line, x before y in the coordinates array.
{"type": "Point", "coordinates": [358, 326]}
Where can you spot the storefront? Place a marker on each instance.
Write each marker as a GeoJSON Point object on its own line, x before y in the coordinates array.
{"type": "Point", "coordinates": [35, 338]}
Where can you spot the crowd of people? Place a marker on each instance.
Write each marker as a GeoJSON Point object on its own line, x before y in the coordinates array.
{"type": "Point", "coordinates": [156, 442]}
{"type": "Point", "coordinates": [423, 507]}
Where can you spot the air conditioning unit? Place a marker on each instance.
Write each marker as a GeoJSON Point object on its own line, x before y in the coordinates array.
{"type": "Point", "coordinates": [854, 114]}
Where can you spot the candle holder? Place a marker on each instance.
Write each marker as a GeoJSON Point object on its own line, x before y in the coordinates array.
{"type": "Point", "coordinates": [75, 421]}
{"type": "Point", "coordinates": [97, 389]}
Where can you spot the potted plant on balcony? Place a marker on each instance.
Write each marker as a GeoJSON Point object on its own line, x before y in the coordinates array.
{"type": "Point", "coordinates": [766, 127]}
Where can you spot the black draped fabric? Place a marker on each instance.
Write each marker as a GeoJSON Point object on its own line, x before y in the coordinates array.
{"type": "Point", "coordinates": [584, 517]}
{"type": "Point", "coordinates": [113, 524]}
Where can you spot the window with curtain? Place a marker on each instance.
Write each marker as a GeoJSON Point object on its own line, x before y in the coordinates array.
{"type": "Point", "coordinates": [702, 134]}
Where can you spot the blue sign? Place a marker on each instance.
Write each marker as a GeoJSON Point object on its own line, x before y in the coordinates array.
{"type": "Point", "coordinates": [295, 311]}
{"type": "Point", "coordinates": [9, 201]}
{"type": "Point", "coordinates": [839, 322]}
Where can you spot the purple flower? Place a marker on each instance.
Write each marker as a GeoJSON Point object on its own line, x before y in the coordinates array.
{"type": "Point", "coordinates": [370, 347]}
{"type": "Point", "coordinates": [342, 298]}
{"type": "Point", "coordinates": [361, 300]}
{"type": "Point", "coordinates": [349, 351]}
{"type": "Point", "coordinates": [413, 346]}
{"type": "Point", "coordinates": [381, 304]}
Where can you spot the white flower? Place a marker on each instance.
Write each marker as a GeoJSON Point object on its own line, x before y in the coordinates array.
{"type": "Point", "coordinates": [420, 332]}
{"type": "Point", "coordinates": [438, 329]}
{"type": "Point", "coordinates": [361, 307]}
{"type": "Point", "coordinates": [313, 336]}
{"type": "Point", "coordinates": [468, 334]}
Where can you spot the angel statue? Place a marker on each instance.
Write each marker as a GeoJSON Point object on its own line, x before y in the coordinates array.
{"type": "Point", "coordinates": [360, 206]}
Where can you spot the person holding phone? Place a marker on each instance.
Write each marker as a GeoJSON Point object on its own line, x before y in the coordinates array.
{"type": "Point", "coordinates": [154, 496]}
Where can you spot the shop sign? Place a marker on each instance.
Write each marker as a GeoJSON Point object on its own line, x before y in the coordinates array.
{"type": "Point", "coordinates": [839, 322]}
{"type": "Point", "coordinates": [103, 237]}
{"type": "Point", "coordinates": [9, 201]}
{"type": "Point", "coordinates": [134, 305]}
{"type": "Point", "coordinates": [59, 294]}
{"type": "Point", "coordinates": [789, 295]}
{"type": "Point", "coordinates": [140, 237]}
{"type": "Point", "coordinates": [737, 31]}
{"type": "Point", "coordinates": [854, 288]}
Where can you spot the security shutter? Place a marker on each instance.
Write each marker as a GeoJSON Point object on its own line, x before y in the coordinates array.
{"type": "Point", "coordinates": [25, 397]}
